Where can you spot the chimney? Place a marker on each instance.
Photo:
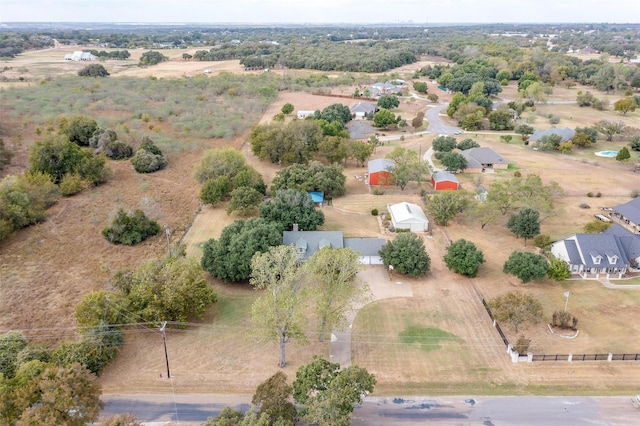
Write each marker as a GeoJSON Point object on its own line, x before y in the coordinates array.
{"type": "Point", "coordinates": [295, 227]}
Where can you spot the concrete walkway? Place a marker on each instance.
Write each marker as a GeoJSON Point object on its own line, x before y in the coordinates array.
{"type": "Point", "coordinates": [381, 288]}
{"type": "Point", "coordinates": [605, 282]}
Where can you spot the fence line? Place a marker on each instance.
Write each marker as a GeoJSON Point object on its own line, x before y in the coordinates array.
{"type": "Point", "coordinates": [556, 357]}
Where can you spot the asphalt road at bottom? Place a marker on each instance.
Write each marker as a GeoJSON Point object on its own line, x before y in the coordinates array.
{"type": "Point", "coordinates": [390, 411]}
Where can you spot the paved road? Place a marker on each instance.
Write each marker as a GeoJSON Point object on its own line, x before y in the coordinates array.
{"type": "Point", "coordinates": [458, 410]}
{"type": "Point", "coordinates": [436, 125]}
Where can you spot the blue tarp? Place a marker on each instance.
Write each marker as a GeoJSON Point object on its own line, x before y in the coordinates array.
{"type": "Point", "coordinates": [317, 197]}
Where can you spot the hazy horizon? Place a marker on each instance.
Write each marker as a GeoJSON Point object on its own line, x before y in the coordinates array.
{"type": "Point", "coordinates": [329, 12]}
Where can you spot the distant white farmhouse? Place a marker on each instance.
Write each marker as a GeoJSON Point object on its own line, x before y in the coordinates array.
{"type": "Point", "coordinates": [302, 114]}
{"type": "Point", "coordinates": [79, 55]}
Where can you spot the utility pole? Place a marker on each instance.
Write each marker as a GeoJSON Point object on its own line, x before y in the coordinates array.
{"type": "Point", "coordinates": [566, 294]}
{"type": "Point", "coordinates": [164, 339]}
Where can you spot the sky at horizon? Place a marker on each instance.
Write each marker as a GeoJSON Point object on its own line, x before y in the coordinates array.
{"type": "Point", "coordinates": [322, 11]}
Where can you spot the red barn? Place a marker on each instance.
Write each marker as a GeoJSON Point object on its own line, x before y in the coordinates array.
{"type": "Point", "coordinates": [442, 181]}
{"type": "Point", "coordinates": [381, 172]}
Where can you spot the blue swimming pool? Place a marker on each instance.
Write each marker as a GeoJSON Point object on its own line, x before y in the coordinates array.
{"type": "Point", "coordinates": [607, 153]}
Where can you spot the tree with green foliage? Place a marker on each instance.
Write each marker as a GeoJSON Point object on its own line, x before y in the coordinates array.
{"type": "Point", "coordinates": [218, 162]}
{"type": "Point", "coordinates": [56, 156]}
{"type": "Point", "coordinates": [335, 112]}
{"type": "Point", "coordinates": [216, 190]}
{"type": "Point", "coordinates": [229, 257]}
{"type": "Point", "coordinates": [384, 118]}
{"type": "Point", "coordinates": [453, 161]}
{"type": "Point", "coordinates": [467, 143]}
{"type": "Point", "coordinates": [328, 394]}
{"type": "Point", "coordinates": [42, 394]}
{"type": "Point", "coordinates": [93, 70]}
{"type": "Point", "coordinates": [388, 102]}
{"type": "Point", "coordinates": [625, 105]}
{"type": "Point", "coordinates": [501, 119]}
{"type": "Point", "coordinates": [280, 313]}
{"type": "Point", "coordinates": [152, 58]}
{"type": "Point", "coordinates": [334, 149]}
{"type": "Point", "coordinates": [444, 144]}
{"type": "Point", "coordinates": [359, 151]}
{"type": "Point", "coordinates": [525, 224]}
{"type": "Point", "coordinates": [420, 87]}
{"type": "Point", "coordinates": [314, 176]}
{"type": "Point", "coordinates": [334, 286]}
{"type": "Point", "coordinates": [408, 166]}
{"type": "Point", "coordinates": [623, 154]}
{"type": "Point", "coordinates": [524, 129]}
{"type": "Point", "coordinates": [102, 306]}
{"type": "Point", "coordinates": [558, 269]}
{"type": "Point", "coordinates": [287, 108]}
{"type": "Point", "coordinates": [245, 200]}
{"type": "Point", "coordinates": [24, 200]}
{"type": "Point", "coordinates": [5, 155]}
{"type": "Point", "coordinates": [526, 266]}
{"type": "Point", "coordinates": [94, 351]}
{"type": "Point", "coordinates": [406, 254]}
{"type": "Point", "coordinates": [148, 158]}
{"type": "Point", "coordinates": [272, 397]}
{"type": "Point", "coordinates": [79, 128]}
{"type": "Point", "coordinates": [463, 257]}
{"type": "Point", "coordinates": [609, 128]}
{"type": "Point", "coordinates": [167, 289]}
{"type": "Point", "coordinates": [581, 140]}
{"type": "Point", "coordinates": [549, 142]}
{"type": "Point", "coordinates": [289, 207]}
{"type": "Point", "coordinates": [516, 308]}
{"type": "Point", "coordinates": [445, 205]}
{"type": "Point", "coordinates": [634, 143]}
{"type": "Point", "coordinates": [106, 141]}
{"type": "Point", "coordinates": [130, 228]}
{"type": "Point", "coordinates": [11, 343]}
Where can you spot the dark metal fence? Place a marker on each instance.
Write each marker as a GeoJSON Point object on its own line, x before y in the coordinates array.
{"type": "Point", "coordinates": [564, 357]}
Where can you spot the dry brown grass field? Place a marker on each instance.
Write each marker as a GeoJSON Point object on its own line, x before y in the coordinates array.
{"type": "Point", "coordinates": [46, 269]}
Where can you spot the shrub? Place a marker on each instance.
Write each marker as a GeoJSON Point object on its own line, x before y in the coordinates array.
{"type": "Point", "coordinates": [564, 320]}
{"type": "Point", "coordinates": [374, 212]}
{"type": "Point", "coordinates": [522, 345]}
{"type": "Point", "coordinates": [590, 194]}
{"type": "Point", "coordinates": [598, 194]}
{"type": "Point", "coordinates": [147, 162]}
{"type": "Point", "coordinates": [634, 193]}
{"type": "Point", "coordinates": [130, 229]}
{"type": "Point", "coordinates": [542, 241]}
{"type": "Point", "coordinates": [118, 150]}
{"type": "Point", "coordinates": [517, 173]}
{"type": "Point", "coordinates": [72, 183]}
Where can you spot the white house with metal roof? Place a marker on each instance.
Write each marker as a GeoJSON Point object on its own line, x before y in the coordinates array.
{"type": "Point", "coordinates": [408, 216]}
{"type": "Point", "coordinates": [79, 55]}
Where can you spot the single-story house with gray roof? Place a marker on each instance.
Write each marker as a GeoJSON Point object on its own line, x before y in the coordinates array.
{"type": "Point", "coordinates": [480, 159]}
{"type": "Point", "coordinates": [361, 109]}
{"type": "Point", "coordinates": [360, 130]}
{"type": "Point", "coordinates": [629, 213]}
{"type": "Point", "coordinates": [609, 254]}
{"type": "Point", "coordinates": [565, 134]}
{"type": "Point", "coordinates": [307, 243]}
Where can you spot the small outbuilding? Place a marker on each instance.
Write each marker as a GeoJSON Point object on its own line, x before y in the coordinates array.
{"type": "Point", "coordinates": [442, 181]}
{"type": "Point", "coordinates": [381, 172]}
{"type": "Point", "coordinates": [408, 216]}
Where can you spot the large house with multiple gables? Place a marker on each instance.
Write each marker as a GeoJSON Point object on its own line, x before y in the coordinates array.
{"type": "Point", "coordinates": [610, 254]}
